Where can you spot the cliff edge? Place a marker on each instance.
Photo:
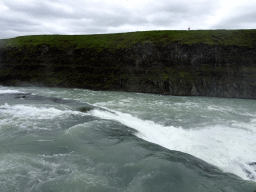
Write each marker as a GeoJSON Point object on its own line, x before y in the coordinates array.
{"type": "Point", "coordinates": [219, 63]}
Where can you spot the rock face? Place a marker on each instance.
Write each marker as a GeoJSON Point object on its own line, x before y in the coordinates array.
{"type": "Point", "coordinates": [221, 71]}
{"type": "Point", "coordinates": [163, 68]}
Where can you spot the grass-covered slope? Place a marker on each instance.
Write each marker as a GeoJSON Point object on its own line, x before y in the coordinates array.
{"type": "Point", "coordinates": [122, 40]}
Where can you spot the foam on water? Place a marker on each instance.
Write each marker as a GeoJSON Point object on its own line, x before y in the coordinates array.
{"type": "Point", "coordinates": [16, 118]}
{"type": "Point", "coordinates": [232, 148]}
{"type": "Point", "coordinates": [33, 112]}
{"type": "Point", "coordinates": [4, 91]}
{"type": "Point", "coordinates": [36, 169]}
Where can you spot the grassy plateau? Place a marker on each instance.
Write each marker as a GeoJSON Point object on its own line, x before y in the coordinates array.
{"type": "Point", "coordinates": [245, 38]}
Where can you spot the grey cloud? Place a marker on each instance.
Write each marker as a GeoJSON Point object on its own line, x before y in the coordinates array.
{"type": "Point", "coordinates": [98, 16]}
{"type": "Point", "coordinates": [10, 25]}
{"type": "Point", "coordinates": [172, 13]}
{"type": "Point", "coordinates": [164, 21]}
{"type": "Point", "coordinates": [173, 7]}
{"type": "Point", "coordinates": [86, 29]}
{"type": "Point", "coordinates": [106, 17]}
{"type": "Point", "coordinates": [189, 8]}
{"type": "Point", "coordinates": [238, 21]}
{"type": "Point", "coordinates": [39, 9]}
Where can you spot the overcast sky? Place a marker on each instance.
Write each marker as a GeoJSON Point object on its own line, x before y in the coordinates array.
{"type": "Point", "coordinates": [32, 17]}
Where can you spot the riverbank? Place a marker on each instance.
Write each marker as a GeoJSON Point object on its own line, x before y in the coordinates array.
{"type": "Point", "coordinates": [219, 63]}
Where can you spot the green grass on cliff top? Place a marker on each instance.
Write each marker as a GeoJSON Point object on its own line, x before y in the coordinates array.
{"type": "Point", "coordinates": [245, 38]}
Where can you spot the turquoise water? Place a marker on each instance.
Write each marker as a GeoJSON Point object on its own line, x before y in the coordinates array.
{"type": "Point", "coordinates": [56, 139]}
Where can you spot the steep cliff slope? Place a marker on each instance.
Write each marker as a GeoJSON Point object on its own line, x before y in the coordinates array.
{"type": "Point", "coordinates": [218, 63]}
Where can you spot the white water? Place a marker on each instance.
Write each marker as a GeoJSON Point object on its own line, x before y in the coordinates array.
{"type": "Point", "coordinates": [229, 148]}
{"type": "Point", "coordinates": [218, 131]}
{"type": "Point", "coordinates": [34, 112]}
{"type": "Point", "coordinates": [3, 91]}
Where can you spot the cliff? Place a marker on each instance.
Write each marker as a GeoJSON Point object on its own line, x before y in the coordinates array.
{"type": "Point", "coordinates": [220, 63]}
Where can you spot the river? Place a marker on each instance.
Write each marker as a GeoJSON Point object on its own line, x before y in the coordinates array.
{"type": "Point", "coordinates": [57, 139]}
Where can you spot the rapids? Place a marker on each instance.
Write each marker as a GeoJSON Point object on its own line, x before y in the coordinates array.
{"type": "Point", "coordinates": [56, 139]}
